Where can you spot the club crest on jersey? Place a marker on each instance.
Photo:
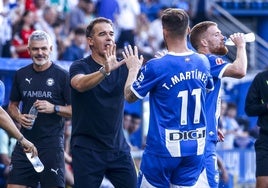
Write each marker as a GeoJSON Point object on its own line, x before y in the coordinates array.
{"type": "Point", "coordinates": [50, 82]}
{"type": "Point", "coordinates": [219, 61]}
{"type": "Point", "coordinates": [187, 59]}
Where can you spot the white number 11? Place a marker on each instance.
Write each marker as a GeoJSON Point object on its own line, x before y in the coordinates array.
{"type": "Point", "coordinates": [184, 105]}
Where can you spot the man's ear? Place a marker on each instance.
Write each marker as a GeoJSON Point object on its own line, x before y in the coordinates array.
{"type": "Point", "coordinates": [90, 41]}
{"type": "Point", "coordinates": [204, 42]}
{"type": "Point", "coordinates": [188, 30]}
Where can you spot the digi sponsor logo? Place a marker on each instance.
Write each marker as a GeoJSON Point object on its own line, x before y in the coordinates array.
{"type": "Point", "coordinates": [187, 135]}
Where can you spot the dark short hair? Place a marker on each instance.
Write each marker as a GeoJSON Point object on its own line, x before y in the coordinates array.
{"type": "Point", "coordinates": [175, 21]}
{"type": "Point", "coordinates": [89, 30]}
{"type": "Point", "coordinates": [79, 31]}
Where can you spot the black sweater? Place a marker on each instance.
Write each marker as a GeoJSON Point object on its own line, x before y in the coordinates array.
{"type": "Point", "coordinates": [257, 99]}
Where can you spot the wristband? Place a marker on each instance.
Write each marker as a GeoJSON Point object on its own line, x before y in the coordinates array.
{"type": "Point", "coordinates": [105, 74]}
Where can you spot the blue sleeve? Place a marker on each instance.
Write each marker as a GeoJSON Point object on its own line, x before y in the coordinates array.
{"type": "Point", "coordinates": [2, 93]}
{"type": "Point", "coordinates": [217, 66]}
{"type": "Point", "coordinates": [146, 80]}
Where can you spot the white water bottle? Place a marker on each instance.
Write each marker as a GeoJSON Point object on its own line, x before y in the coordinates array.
{"type": "Point", "coordinates": [249, 37]}
{"type": "Point", "coordinates": [36, 162]}
{"type": "Point", "coordinates": [33, 112]}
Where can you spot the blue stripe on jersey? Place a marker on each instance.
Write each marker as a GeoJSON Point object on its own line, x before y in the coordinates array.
{"type": "Point", "coordinates": [177, 90]}
{"type": "Point", "coordinates": [213, 101]}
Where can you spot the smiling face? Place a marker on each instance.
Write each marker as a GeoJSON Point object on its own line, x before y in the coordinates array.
{"type": "Point", "coordinates": [102, 36]}
{"type": "Point", "coordinates": [39, 51]}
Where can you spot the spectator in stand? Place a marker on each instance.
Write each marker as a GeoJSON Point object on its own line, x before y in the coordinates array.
{"type": "Point", "coordinates": [22, 30]}
{"type": "Point", "coordinates": [242, 138]}
{"type": "Point", "coordinates": [131, 124]}
{"type": "Point", "coordinates": [62, 40]}
{"type": "Point", "coordinates": [155, 32]}
{"type": "Point", "coordinates": [81, 14]}
{"type": "Point", "coordinates": [167, 3]}
{"type": "Point", "coordinates": [77, 49]}
{"type": "Point", "coordinates": [29, 5]}
{"type": "Point", "coordinates": [5, 29]}
{"type": "Point", "coordinates": [38, 6]}
{"type": "Point", "coordinates": [17, 11]}
{"type": "Point", "coordinates": [150, 8]}
{"type": "Point", "coordinates": [229, 127]}
{"type": "Point", "coordinates": [182, 4]}
{"type": "Point", "coordinates": [126, 22]}
{"type": "Point", "coordinates": [142, 34]}
{"type": "Point", "coordinates": [107, 9]}
{"type": "Point", "coordinates": [90, 12]}
{"type": "Point", "coordinates": [135, 131]}
{"type": "Point", "coordinates": [256, 104]}
{"type": "Point", "coordinates": [45, 23]}
{"type": "Point", "coordinates": [222, 111]}
{"type": "Point", "coordinates": [126, 124]}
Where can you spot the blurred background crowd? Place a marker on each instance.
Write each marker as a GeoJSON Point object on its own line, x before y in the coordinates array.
{"type": "Point", "coordinates": [136, 22]}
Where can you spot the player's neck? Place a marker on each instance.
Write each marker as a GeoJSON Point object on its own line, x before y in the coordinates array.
{"type": "Point", "coordinates": [178, 49]}
{"type": "Point", "coordinates": [178, 46]}
{"type": "Point", "coordinates": [203, 51]}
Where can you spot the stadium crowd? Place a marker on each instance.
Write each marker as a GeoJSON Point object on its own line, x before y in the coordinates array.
{"type": "Point", "coordinates": [136, 22]}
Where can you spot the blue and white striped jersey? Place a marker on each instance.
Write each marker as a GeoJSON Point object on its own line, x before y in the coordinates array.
{"type": "Point", "coordinates": [213, 100]}
{"type": "Point", "coordinates": [177, 86]}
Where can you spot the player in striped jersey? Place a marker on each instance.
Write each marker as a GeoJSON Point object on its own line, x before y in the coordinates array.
{"type": "Point", "coordinates": [207, 39]}
{"type": "Point", "coordinates": [177, 84]}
